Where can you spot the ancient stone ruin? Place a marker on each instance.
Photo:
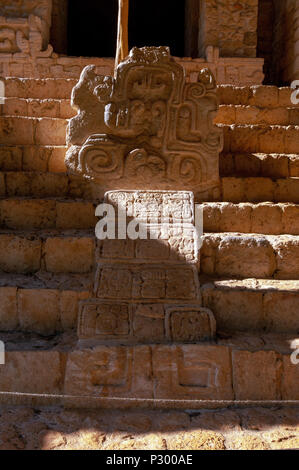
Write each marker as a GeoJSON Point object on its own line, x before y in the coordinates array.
{"type": "Point", "coordinates": [191, 301]}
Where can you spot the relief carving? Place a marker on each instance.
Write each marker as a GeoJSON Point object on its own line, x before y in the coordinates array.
{"type": "Point", "coordinates": [146, 127]}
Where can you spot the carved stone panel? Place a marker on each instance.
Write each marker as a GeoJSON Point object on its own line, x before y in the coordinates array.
{"type": "Point", "coordinates": [146, 128]}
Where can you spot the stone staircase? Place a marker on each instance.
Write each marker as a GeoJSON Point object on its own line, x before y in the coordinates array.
{"type": "Point", "coordinates": [249, 269]}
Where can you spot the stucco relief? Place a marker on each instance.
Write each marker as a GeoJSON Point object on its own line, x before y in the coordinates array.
{"type": "Point", "coordinates": [147, 127]}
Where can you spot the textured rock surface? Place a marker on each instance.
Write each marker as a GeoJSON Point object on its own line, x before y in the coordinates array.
{"type": "Point", "coordinates": [23, 428]}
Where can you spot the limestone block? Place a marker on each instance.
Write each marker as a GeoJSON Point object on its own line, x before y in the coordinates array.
{"type": "Point", "coordinates": [233, 189]}
{"type": "Point", "coordinates": [275, 166]}
{"type": "Point", "coordinates": [69, 306]}
{"type": "Point", "coordinates": [148, 322]}
{"type": "Point", "coordinates": [15, 107]}
{"type": "Point", "coordinates": [259, 189]}
{"type": "Point", "coordinates": [27, 214]}
{"type": "Point", "coordinates": [234, 310]}
{"type": "Point", "coordinates": [34, 160]}
{"type": "Point", "coordinates": [10, 158]}
{"type": "Point", "coordinates": [147, 282]}
{"type": "Point", "coordinates": [56, 162]}
{"type": "Point", "coordinates": [107, 371]}
{"type": "Point", "coordinates": [68, 254]}
{"type": "Point", "coordinates": [44, 108]}
{"type": "Point", "coordinates": [240, 256]}
{"type": "Point", "coordinates": [8, 308]}
{"type": "Point", "coordinates": [290, 377]}
{"type": "Point", "coordinates": [189, 324]}
{"type": "Point", "coordinates": [211, 217]}
{"type": "Point", "coordinates": [31, 372]}
{"type": "Point", "coordinates": [50, 131]}
{"type": "Point", "coordinates": [287, 190]}
{"type": "Point", "coordinates": [16, 130]}
{"type": "Point", "coordinates": [39, 311]}
{"type": "Point", "coordinates": [266, 218]}
{"type": "Point", "coordinates": [287, 257]}
{"type": "Point", "coordinates": [290, 219]}
{"type": "Point", "coordinates": [19, 254]}
{"type": "Point", "coordinates": [272, 140]}
{"type": "Point", "coordinates": [235, 218]}
{"type": "Point", "coordinates": [282, 311]}
{"type": "Point", "coordinates": [291, 139]}
{"type": "Point", "coordinates": [256, 375]}
{"type": "Point", "coordinates": [36, 184]}
{"type": "Point", "coordinates": [116, 321]}
{"type": "Point", "coordinates": [75, 215]}
{"type": "Point", "coordinates": [192, 372]}
{"type": "Point", "coordinates": [264, 96]}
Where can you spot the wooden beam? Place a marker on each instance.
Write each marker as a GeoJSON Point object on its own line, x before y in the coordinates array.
{"type": "Point", "coordinates": [122, 47]}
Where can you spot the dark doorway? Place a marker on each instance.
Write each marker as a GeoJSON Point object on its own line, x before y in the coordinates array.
{"type": "Point", "coordinates": [92, 26]}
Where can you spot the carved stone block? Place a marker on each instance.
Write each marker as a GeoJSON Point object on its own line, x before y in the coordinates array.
{"type": "Point", "coordinates": [146, 282]}
{"type": "Point", "coordinates": [146, 128]}
{"type": "Point", "coordinates": [192, 372]}
{"type": "Point", "coordinates": [147, 322]}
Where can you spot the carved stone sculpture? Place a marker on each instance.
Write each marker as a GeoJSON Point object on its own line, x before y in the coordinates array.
{"type": "Point", "coordinates": [147, 127]}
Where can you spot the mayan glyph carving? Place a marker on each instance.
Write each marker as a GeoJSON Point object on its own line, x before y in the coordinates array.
{"type": "Point", "coordinates": [146, 128]}
{"type": "Point", "coordinates": [146, 289]}
{"type": "Point", "coordinates": [24, 35]}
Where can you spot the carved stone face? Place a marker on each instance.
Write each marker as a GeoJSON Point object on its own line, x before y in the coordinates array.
{"type": "Point", "coordinates": [155, 130]}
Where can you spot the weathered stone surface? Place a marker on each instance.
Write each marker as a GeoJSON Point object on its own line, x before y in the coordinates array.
{"type": "Point", "coordinates": [192, 372]}
{"type": "Point", "coordinates": [133, 143]}
{"type": "Point", "coordinates": [31, 372]}
{"type": "Point", "coordinates": [68, 254]}
{"type": "Point", "coordinates": [39, 311]}
{"type": "Point", "coordinates": [8, 308]}
{"type": "Point", "coordinates": [147, 282]}
{"type": "Point", "coordinates": [109, 371]}
{"type": "Point", "coordinates": [18, 254]}
{"type": "Point", "coordinates": [144, 322]}
{"type": "Point", "coordinates": [256, 375]}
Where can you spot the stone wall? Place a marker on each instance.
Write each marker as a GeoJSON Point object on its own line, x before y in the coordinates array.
{"type": "Point", "coordinates": [286, 41]}
{"type": "Point", "coordinates": [229, 25]}
{"type": "Point", "coordinates": [16, 23]}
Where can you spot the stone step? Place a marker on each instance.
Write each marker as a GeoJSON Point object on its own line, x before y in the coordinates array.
{"type": "Point", "coordinates": [260, 189]}
{"type": "Point", "coordinates": [18, 130]}
{"type": "Point", "coordinates": [260, 96]}
{"type": "Point", "coordinates": [271, 165]}
{"type": "Point", "coordinates": [227, 114]}
{"type": "Point", "coordinates": [47, 304]}
{"type": "Point", "coordinates": [43, 304]}
{"type": "Point", "coordinates": [49, 251]}
{"type": "Point", "coordinates": [222, 254]}
{"type": "Point", "coordinates": [43, 158]}
{"type": "Point", "coordinates": [252, 115]}
{"type": "Point", "coordinates": [239, 367]}
{"type": "Point", "coordinates": [38, 214]}
{"type": "Point", "coordinates": [39, 88]}
{"type": "Point", "coordinates": [30, 107]}
{"type": "Point", "coordinates": [260, 139]}
{"type": "Point", "coordinates": [264, 218]}
{"type": "Point", "coordinates": [69, 214]}
{"type": "Point", "coordinates": [241, 256]}
{"type": "Point", "coordinates": [45, 184]}
{"type": "Point", "coordinates": [253, 304]}
{"type": "Point", "coordinates": [51, 158]}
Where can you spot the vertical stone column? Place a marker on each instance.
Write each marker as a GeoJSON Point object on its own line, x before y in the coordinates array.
{"type": "Point", "coordinates": [146, 284]}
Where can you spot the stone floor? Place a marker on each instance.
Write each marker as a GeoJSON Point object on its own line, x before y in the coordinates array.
{"type": "Point", "coordinates": [24, 428]}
